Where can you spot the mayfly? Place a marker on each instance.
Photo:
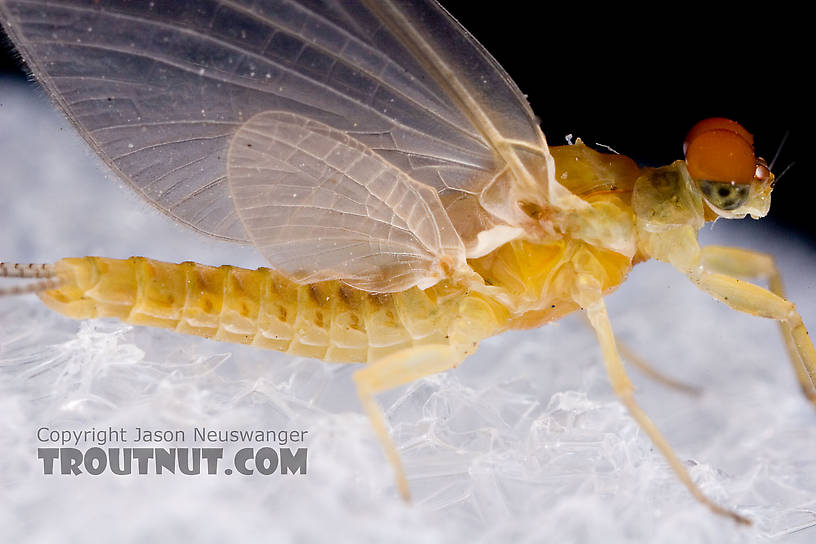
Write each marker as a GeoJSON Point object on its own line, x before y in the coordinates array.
{"type": "Point", "coordinates": [391, 173]}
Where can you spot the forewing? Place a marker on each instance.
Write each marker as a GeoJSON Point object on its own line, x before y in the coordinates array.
{"type": "Point", "coordinates": [160, 88]}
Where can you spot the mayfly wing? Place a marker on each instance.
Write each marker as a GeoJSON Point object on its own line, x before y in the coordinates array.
{"type": "Point", "coordinates": [164, 90]}
{"type": "Point", "coordinates": [299, 183]}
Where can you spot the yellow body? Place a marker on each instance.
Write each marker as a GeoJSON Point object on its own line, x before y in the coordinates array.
{"type": "Point", "coordinates": [523, 284]}
{"type": "Point", "coordinates": [326, 320]}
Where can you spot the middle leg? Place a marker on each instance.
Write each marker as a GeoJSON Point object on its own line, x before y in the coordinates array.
{"type": "Point", "coordinates": [596, 311]}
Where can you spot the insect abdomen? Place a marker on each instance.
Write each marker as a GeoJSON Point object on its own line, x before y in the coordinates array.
{"type": "Point", "coordinates": [327, 320]}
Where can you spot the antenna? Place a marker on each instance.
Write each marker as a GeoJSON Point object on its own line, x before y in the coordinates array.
{"type": "Point", "coordinates": [779, 150]}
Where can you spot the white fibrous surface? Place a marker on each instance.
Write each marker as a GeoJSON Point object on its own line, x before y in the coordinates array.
{"type": "Point", "coordinates": [523, 442]}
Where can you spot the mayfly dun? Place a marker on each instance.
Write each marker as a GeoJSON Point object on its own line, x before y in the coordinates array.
{"type": "Point", "coordinates": [393, 176]}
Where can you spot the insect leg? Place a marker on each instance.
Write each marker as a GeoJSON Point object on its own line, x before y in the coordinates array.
{"type": "Point", "coordinates": [392, 371]}
{"type": "Point", "coordinates": [649, 370]}
{"type": "Point", "coordinates": [723, 275]}
{"type": "Point", "coordinates": [596, 311]}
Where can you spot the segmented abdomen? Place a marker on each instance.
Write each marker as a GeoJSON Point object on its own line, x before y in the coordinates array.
{"type": "Point", "coordinates": [327, 320]}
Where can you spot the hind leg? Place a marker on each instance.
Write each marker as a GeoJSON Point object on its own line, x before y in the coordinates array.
{"type": "Point", "coordinates": [475, 321]}
{"type": "Point", "coordinates": [723, 275]}
{"type": "Point", "coordinates": [392, 371]}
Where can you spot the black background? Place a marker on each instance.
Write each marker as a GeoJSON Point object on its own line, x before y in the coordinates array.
{"type": "Point", "coordinates": [638, 79]}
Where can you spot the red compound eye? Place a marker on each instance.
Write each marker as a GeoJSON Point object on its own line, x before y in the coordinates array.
{"type": "Point", "coordinates": [719, 149]}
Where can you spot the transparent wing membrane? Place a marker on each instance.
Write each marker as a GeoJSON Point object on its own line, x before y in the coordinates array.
{"type": "Point", "coordinates": [162, 89]}
{"type": "Point", "coordinates": [320, 205]}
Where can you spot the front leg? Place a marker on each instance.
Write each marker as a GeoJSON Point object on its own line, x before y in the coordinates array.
{"type": "Point", "coordinates": [723, 273]}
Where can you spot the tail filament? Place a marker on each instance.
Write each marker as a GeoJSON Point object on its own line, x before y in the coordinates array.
{"type": "Point", "coordinates": [45, 274]}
